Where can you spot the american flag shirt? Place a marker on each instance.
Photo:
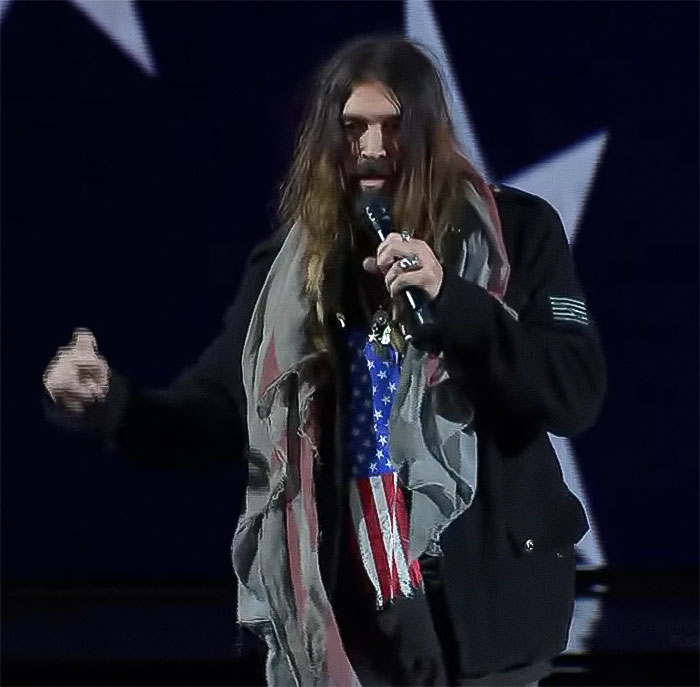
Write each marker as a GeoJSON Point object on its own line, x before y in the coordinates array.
{"type": "Point", "coordinates": [377, 507]}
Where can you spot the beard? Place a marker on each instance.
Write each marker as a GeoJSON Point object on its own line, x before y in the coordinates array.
{"type": "Point", "coordinates": [377, 174]}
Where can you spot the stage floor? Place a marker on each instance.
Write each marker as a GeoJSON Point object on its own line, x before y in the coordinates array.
{"type": "Point", "coordinates": [627, 630]}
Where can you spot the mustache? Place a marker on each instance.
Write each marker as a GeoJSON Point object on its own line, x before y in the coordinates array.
{"type": "Point", "coordinates": [374, 168]}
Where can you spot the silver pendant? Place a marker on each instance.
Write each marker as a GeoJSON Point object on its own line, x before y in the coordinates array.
{"type": "Point", "coordinates": [380, 333]}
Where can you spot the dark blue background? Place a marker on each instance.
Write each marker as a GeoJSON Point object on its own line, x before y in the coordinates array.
{"type": "Point", "coordinates": [129, 205]}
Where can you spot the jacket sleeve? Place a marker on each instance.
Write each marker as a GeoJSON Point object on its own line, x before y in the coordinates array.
{"type": "Point", "coordinates": [197, 419]}
{"type": "Point", "coordinates": [543, 367]}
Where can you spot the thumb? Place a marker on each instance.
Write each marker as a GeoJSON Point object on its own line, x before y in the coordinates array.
{"type": "Point", "coordinates": [84, 340]}
{"type": "Point", "coordinates": [370, 264]}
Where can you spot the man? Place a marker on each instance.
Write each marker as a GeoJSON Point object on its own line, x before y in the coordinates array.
{"type": "Point", "coordinates": [406, 520]}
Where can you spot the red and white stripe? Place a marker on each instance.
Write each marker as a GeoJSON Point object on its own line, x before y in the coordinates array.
{"type": "Point", "coordinates": [380, 521]}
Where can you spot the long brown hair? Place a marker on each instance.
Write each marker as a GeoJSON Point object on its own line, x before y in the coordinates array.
{"type": "Point", "coordinates": [431, 170]}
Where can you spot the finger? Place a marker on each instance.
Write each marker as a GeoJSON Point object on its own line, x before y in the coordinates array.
{"type": "Point", "coordinates": [405, 280]}
{"type": "Point", "coordinates": [73, 400]}
{"type": "Point", "coordinates": [85, 364]}
{"type": "Point", "coordinates": [96, 391]}
{"type": "Point", "coordinates": [84, 373]}
{"type": "Point", "coordinates": [74, 405]}
{"type": "Point", "coordinates": [392, 236]}
{"type": "Point", "coordinates": [391, 252]}
{"type": "Point", "coordinates": [370, 265]}
{"type": "Point", "coordinates": [392, 274]}
{"type": "Point", "coordinates": [105, 374]}
{"type": "Point", "coordinates": [87, 392]}
{"type": "Point", "coordinates": [86, 359]}
{"type": "Point", "coordinates": [391, 240]}
{"type": "Point", "coordinates": [395, 237]}
{"type": "Point", "coordinates": [59, 377]}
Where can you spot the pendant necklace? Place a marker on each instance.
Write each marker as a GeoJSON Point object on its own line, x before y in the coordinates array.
{"type": "Point", "coordinates": [380, 330]}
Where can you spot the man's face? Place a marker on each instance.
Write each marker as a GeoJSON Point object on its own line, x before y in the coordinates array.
{"type": "Point", "coordinates": [370, 120]}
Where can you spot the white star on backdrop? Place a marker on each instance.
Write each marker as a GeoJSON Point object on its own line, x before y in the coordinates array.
{"type": "Point", "coordinates": [563, 179]}
{"type": "Point", "coordinates": [120, 21]}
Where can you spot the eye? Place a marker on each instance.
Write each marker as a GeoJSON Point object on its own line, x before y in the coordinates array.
{"type": "Point", "coordinates": [392, 126]}
{"type": "Point", "coordinates": [353, 129]}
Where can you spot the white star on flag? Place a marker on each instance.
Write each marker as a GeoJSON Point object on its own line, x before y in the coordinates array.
{"type": "Point", "coordinates": [370, 364]}
{"type": "Point", "coordinates": [373, 467]}
{"type": "Point", "coordinates": [377, 414]}
{"type": "Point", "coordinates": [381, 374]}
{"type": "Point", "coordinates": [382, 440]}
{"type": "Point", "coordinates": [392, 386]}
{"type": "Point", "coordinates": [380, 453]}
{"type": "Point", "coordinates": [385, 400]}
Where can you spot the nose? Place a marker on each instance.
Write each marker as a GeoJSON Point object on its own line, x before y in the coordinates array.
{"type": "Point", "coordinates": [372, 142]}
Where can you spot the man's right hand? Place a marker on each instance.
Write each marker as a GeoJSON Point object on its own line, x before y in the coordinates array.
{"type": "Point", "coordinates": [77, 375]}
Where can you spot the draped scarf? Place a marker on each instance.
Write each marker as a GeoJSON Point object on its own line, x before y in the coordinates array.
{"type": "Point", "coordinates": [433, 446]}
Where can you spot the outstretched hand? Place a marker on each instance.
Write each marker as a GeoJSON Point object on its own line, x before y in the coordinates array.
{"type": "Point", "coordinates": [77, 375]}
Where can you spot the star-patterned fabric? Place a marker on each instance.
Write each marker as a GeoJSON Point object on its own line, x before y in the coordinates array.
{"type": "Point", "coordinates": [377, 506]}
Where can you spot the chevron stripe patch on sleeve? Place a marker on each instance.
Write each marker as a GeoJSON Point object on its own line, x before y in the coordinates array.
{"type": "Point", "coordinates": [568, 310]}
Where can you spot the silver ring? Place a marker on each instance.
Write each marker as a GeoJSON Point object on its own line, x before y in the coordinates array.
{"type": "Point", "coordinates": [405, 236]}
{"type": "Point", "coordinates": [409, 262]}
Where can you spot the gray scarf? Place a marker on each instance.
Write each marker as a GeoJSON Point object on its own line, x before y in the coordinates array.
{"type": "Point", "coordinates": [433, 445]}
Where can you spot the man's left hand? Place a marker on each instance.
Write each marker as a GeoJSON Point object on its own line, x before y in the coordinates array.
{"type": "Point", "coordinates": [427, 276]}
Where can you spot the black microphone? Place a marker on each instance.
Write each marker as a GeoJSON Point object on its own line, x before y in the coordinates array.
{"type": "Point", "coordinates": [375, 215]}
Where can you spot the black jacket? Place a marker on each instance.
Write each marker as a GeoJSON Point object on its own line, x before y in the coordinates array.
{"type": "Point", "coordinates": [506, 579]}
